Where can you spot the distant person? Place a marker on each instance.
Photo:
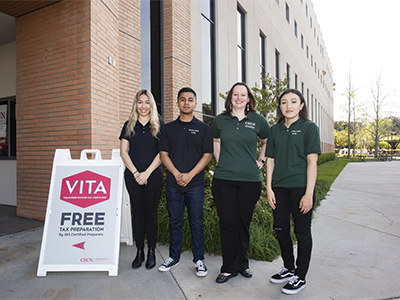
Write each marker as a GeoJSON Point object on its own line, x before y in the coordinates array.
{"type": "Point", "coordinates": [143, 175]}
{"type": "Point", "coordinates": [292, 153]}
{"type": "Point", "coordinates": [186, 148]}
{"type": "Point", "coordinates": [237, 183]}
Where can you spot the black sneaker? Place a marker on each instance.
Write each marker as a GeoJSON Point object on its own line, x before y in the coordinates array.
{"type": "Point", "coordinates": [201, 269]}
{"type": "Point", "coordinates": [295, 285]}
{"type": "Point", "coordinates": [282, 276]}
{"type": "Point", "coordinates": [168, 264]}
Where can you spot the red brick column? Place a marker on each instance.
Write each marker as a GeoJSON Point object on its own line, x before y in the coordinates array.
{"type": "Point", "coordinates": [177, 53]}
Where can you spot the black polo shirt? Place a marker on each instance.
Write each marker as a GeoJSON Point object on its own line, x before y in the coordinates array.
{"type": "Point", "coordinates": [143, 146]}
{"type": "Point", "coordinates": [185, 143]}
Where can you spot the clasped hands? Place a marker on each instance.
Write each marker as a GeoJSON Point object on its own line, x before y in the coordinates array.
{"type": "Point", "coordinates": [141, 178]}
{"type": "Point", "coordinates": [183, 179]}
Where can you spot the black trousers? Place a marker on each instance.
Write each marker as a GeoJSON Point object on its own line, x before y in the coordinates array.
{"type": "Point", "coordinates": [235, 201]}
{"type": "Point", "coordinates": [287, 203]}
{"type": "Point", "coordinates": [144, 203]}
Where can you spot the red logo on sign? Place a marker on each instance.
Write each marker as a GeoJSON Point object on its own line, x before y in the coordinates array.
{"type": "Point", "coordinates": [85, 189]}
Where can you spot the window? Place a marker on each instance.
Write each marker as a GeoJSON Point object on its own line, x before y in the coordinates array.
{"type": "Point", "coordinates": [312, 107]}
{"type": "Point", "coordinates": [262, 59]}
{"type": "Point", "coordinates": [307, 52]}
{"type": "Point", "coordinates": [288, 75]}
{"type": "Point", "coordinates": [145, 44]}
{"type": "Point", "coordinates": [308, 104]}
{"type": "Point", "coordinates": [312, 61]}
{"type": "Point", "coordinates": [151, 24]}
{"type": "Point", "coordinates": [295, 28]}
{"type": "Point", "coordinates": [277, 64]}
{"type": "Point", "coordinates": [295, 81]}
{"type": "Point", "coordinates": [287, 13]}
{"type": "Point", "coordinates": [302, 41]}
{"type": "Point", "coordinates": [311, 22]}
{"type": "Point", "coordinates": [241, 45]}
{"type": "Point", "coordinates": [208, 72]}
{"type": "Point", "coordinates": [306, 10]}
{"type": "Point", "coordinates": [7, 128]}
{"type": "Point", "coordinates": [302, 88]}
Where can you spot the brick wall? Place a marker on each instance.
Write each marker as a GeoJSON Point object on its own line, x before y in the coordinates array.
{"type": "Point", "coordinates": [68, 95]}
{"type": "Point", "coordinates": [177, 53]}
{"type": "Point", "coordinates": [53, 95]}
{"type": "Point", "coordinates": [129, 55]}
{"type": "Point", "coordinates": [105, 97]}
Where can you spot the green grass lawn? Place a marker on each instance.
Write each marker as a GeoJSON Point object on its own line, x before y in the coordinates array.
{"type": "Point", "coordinates": [330, 170]}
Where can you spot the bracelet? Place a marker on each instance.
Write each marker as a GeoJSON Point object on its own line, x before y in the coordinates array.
{"type": "Point", "coordinates": [263, 161]}
{"type": "Point", "coordinates": [135, 172]}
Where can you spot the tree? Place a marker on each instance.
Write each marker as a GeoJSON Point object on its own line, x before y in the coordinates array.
{"type": "Point", "coordinates": [350, 94]}
{"type": "Point", "coordinates": [379, 96]}
{"type": "Point", "coordinates": [266, 97]}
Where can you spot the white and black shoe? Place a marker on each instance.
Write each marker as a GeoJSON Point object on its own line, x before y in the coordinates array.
{"type": "Point", "coordinates": [168, 264]}
{"type": "Point", "coordinates": [201, 269]}
{"type": "Point", "coordinates": [282, 276]}
{"type": "Point", "coordinates": [295, 285]}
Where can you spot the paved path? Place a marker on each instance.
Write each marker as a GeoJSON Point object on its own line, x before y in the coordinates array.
{"type": "Point", "coordinates": [355, 256]}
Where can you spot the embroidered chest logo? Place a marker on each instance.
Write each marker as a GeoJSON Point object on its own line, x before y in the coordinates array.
{"type": "Point", "coordinates": [250, 125]}
{"type": "Point", "coordinates": [193, 131]}
{"type": "Point", "coordinates": [295, 132]}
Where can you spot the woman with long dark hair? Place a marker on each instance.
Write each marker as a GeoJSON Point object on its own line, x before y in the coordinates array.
{"type": "Point", "coordinates": [292, 153]}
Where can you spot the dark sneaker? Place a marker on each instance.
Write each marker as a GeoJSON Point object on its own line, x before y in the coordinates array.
{"type": "Point", "coordinates": [201, 269]}
{"type": "Point", "coordinates": [294, 285]}
{"type": "Point", "coordinates": [282, 276]}
{"type": "Point", "coordinates": [168, 264]}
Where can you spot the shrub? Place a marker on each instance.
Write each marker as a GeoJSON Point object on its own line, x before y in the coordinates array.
{"type": "Point", "coordinates": [325, 157]}
{"type": "Point", "coordinates": [263, 243]}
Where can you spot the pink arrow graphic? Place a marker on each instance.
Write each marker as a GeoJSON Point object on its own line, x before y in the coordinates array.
{"type": "Point", "coordinates": [80, 245]}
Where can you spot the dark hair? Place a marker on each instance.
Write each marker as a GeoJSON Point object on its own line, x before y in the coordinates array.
{"type": "Point", "coordinates": [303, 112]}
{"type": "Point", "coordinates": [184, 90]}
{"type": "Point", "coordinates": [252, 102]}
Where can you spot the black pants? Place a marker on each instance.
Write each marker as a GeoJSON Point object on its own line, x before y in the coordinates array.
{"type": "Point", "coordinates": [144, 202]}
{"type": "Point", "coordinates": [287, 203]}
{"type": "Point", "coordinates": [235, 201]}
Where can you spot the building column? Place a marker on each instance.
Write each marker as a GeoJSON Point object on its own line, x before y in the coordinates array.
{"type": "Point", "coordinates": [177, 53]}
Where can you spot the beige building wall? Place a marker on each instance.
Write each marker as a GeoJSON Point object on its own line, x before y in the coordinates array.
{"type": "Point", "coordinates": [269, 17]}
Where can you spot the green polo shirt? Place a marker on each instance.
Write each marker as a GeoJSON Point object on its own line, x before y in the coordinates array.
{"type": "Point", "coordinates": [289, 148]}
{"type": "Point", "coordinates": [238, 152]}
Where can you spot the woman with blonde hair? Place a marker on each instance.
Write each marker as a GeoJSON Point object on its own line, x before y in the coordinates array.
{"type": "Point", "coordinates": [143, 175]}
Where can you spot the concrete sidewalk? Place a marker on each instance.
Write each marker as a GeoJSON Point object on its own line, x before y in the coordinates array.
{"type": "Point", "coordinates": [356, 234]}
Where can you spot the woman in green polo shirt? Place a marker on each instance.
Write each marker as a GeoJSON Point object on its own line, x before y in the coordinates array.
{"type": "Point", "coordinates": [292, 153]}
{"type": "Point", "coordinates": [237, 184]}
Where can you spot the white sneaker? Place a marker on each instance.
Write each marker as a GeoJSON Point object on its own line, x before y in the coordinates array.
{"type": "Point", "coordinates": [294, 285]}
{"type": "Point", "coordinates": [201, 269]}
{"type": "Point", "coordinates": [168, 264]}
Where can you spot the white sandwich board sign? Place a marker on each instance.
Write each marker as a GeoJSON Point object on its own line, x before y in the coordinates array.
{"type": "Point", "coordinates": [83, 217]}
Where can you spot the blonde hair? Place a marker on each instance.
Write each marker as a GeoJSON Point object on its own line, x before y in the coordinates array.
{"type": "Point", "coordinates": [154, 116]}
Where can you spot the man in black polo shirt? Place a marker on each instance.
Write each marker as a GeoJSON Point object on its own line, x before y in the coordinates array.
{"type": "Point", "coordinates": [186, 147]}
